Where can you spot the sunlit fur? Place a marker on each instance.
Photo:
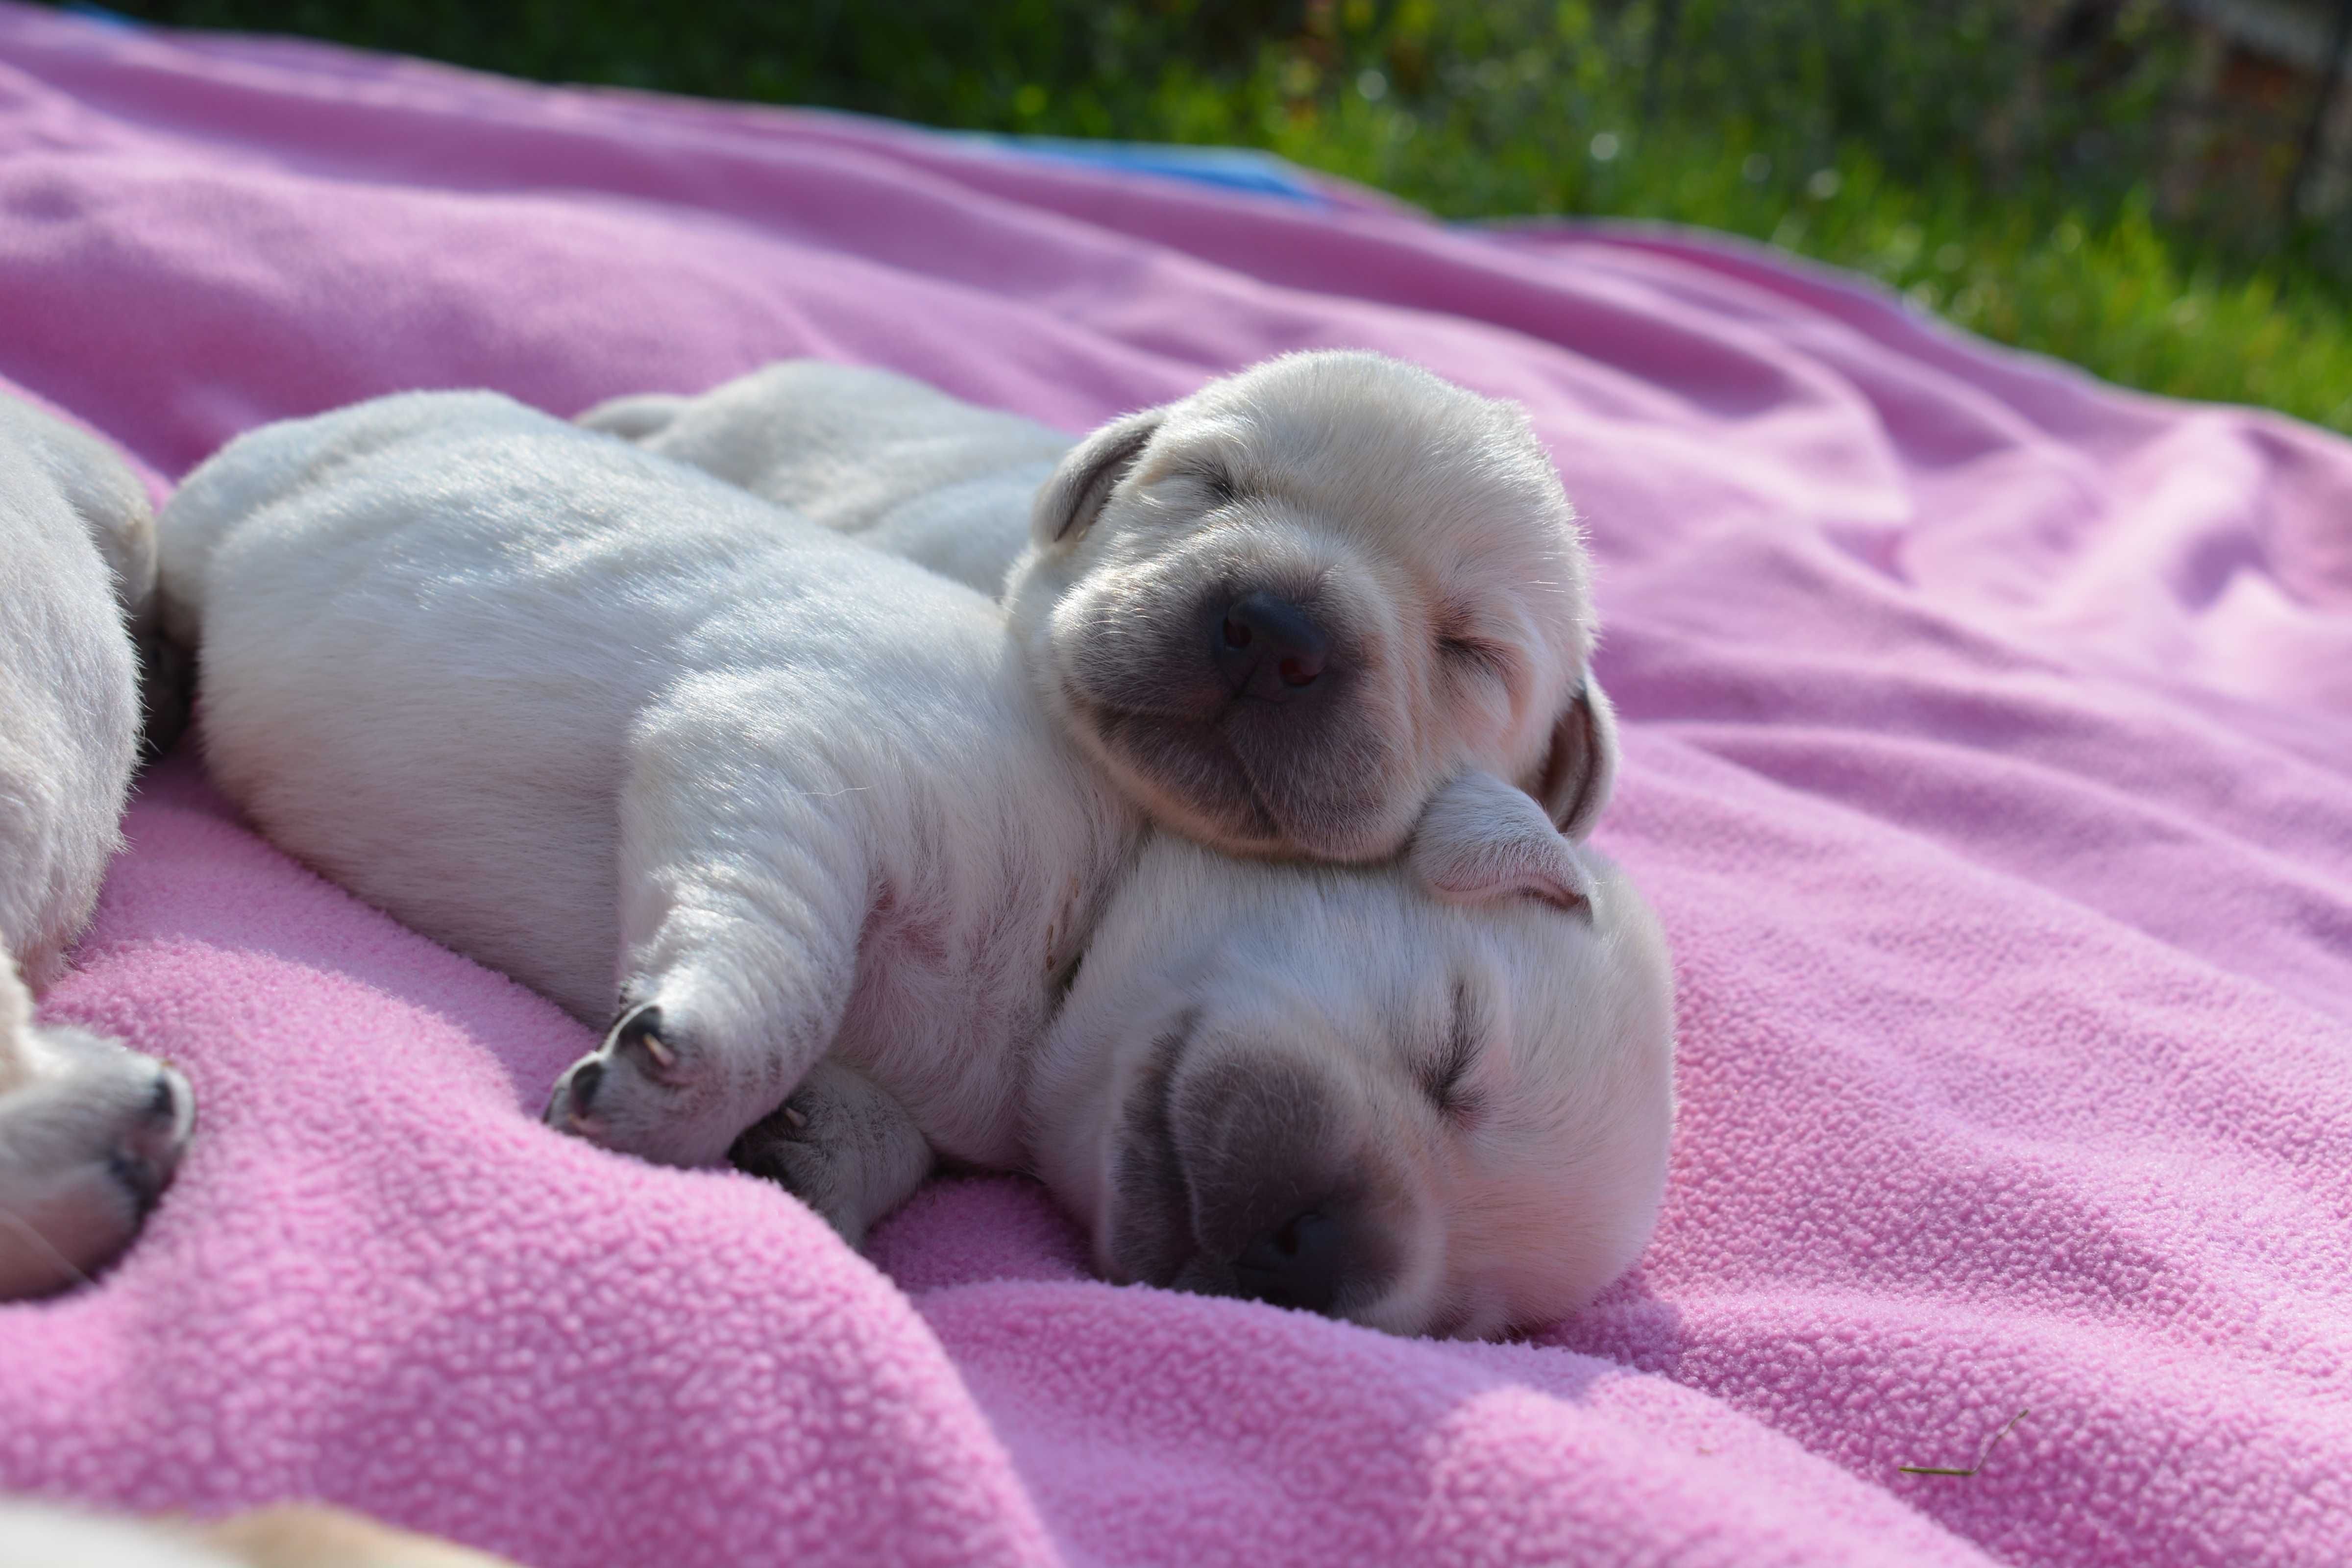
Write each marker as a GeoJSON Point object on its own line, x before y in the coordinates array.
{"type": "Point", "coordinates": [1424, 526]}
{"type": "Point", "coordinates": [638, 738]}
{"type": "Point", "coordinates": [88, 1131]}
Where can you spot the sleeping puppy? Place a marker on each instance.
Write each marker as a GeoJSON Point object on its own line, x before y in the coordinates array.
{"type": "Point", "coordinates": [1281, 612]}
{"type": "Point", "coordinates": [89, 1131]}
{"type": "Point", "coordinates": [580, 711]}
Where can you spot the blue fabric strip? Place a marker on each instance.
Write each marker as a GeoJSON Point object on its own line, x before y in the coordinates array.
{"type": "Point", "coordinates": [1229, 168]}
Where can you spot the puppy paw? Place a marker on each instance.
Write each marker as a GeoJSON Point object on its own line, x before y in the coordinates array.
{"type": "Point", "coordinates": [841, 1144]}
{"type": "Point", "coordinates": [643, 1091]}
{"type": "Point", "coordinates": [801, 1149]}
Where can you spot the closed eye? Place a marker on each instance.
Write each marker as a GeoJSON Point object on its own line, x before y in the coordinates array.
{"type": "Point", "coordinates": [1216, 481]}
{"type": "Point", "coordinates": [1445, 1076]}
{"type": "Point", "coordinates": [1469, 653]}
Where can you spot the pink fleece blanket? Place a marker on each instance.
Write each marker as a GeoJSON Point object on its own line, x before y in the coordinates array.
{"type": "Point", "coordinates": [1990, 758]}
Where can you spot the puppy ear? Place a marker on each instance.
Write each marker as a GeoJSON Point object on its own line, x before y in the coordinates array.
{"type": "Point", "coordinates": [1582, 767]}
{"type": "Point", "coordinates": [1481, 841]}
{"type": "Point", "coordinates": [1073, 497]}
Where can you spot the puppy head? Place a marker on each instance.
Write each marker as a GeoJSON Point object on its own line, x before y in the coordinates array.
{"type": "Point", "coordinates": [1283, 611]}
{"type": "Point", "coordinates": [1433, 1098]}
{"type": "Point", "coordinates": [90, 1134]}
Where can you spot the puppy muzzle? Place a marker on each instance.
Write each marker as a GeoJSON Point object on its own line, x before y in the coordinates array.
{"type": "Point", "coordinates": [1240, 1176]}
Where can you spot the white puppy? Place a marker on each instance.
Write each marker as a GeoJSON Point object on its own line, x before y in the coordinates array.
{"type": "Point", "coordinates": [1282, 612]}
{"type": "Point", "coordinates": [89, 1131]}
{"type": "Point", "coordinates": [587, 715]}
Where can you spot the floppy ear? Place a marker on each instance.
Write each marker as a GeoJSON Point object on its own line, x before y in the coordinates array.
{"type": "Point", "coordinates": [1581, 768]}
{"type": "Point", "coordinates": [1073, 497]}
{"type": "Point", "coordinates": [1482, 840]}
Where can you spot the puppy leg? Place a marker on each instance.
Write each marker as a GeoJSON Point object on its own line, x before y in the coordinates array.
{"type": "Point", "coordinates": [745, 887]}
{"type": "Point", "coordinates": [842, 1145]}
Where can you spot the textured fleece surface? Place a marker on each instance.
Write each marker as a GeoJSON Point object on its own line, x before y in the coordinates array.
{"type": "Point", "coordinates": [1988, 738]}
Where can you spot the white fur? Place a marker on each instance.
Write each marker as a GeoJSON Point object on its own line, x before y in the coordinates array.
{"type": "Point", "coordinates": [81, 553]}
{"type": "Point", "coordinates": [904, 468]}
{"type": "Point", "coordinates": [88, 1131]}
{"type": "Point", "coordinates": [645, 742]}
{"type": "Point", "coordinates": [1423, 526]}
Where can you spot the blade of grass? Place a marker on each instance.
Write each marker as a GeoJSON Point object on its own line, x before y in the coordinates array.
{"type": "Point", "coordinates": [1982, 1455]}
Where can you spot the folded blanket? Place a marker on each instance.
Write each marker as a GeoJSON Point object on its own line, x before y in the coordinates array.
{"type": "Point", "coordinates": [1989, 757]}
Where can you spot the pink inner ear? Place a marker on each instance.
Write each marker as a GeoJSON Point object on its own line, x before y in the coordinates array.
{"type": "Point", "coordinates": [1557, 876]}
{"type": "Point", "coordinates": [1580, 768]}
{"type": "Point", "coordinates": [1483, 840]}
{"type": "Point", "coordinates": [1563, 896]}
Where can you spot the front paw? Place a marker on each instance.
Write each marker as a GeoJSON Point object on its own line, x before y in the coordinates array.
{"type": "Point", "coordinates": [645, 1091]}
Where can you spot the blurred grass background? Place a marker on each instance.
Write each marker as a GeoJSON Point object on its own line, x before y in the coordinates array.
{"type": "Point", "coordinates": [2053, 173]}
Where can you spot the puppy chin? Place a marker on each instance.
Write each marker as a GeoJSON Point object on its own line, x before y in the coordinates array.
{"type": "Point", "coordinates": [1138, 1243]}
{"type": "Point", "coordinates": [1200, 782]}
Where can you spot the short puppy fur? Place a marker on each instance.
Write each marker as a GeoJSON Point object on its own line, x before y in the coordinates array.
{"type": "Point", "coordinates": [1282, 612]}
{"type": "Point", "coordinates": [91, 1132]}
{"type": "Point", "coordinates": [619, 729]}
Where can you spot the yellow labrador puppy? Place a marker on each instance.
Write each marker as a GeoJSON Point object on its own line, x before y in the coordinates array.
{"type": "Point", "coordinates": [617, 727]}
{"type": "Point", "coordinates": [1282, 612]}
{"type": "Point", "coordinates": [89, 1131]}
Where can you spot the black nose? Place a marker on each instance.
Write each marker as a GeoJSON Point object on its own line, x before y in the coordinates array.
{"type": "Point", "coordinates": [1268, 648]}
{"type": "Point", "coordinates": [1296, 1264]}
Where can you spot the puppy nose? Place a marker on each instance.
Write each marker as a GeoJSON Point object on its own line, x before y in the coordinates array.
{"type": "Point", "coordinates": [1297, 1264]}
{"type": "Point", "coordinates": [1268, 647]}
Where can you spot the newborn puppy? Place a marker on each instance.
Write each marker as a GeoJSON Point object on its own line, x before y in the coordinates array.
{"type": "Point", "coordinates": [1281, 612]}
{"type": "Point", "coordinates": [586, 714]}
{"type": "Point", "coordinates": [89, 1131]}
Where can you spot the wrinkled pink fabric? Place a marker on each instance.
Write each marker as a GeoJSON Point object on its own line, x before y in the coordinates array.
{"type": "Point", "coordinates": [1988, 734]}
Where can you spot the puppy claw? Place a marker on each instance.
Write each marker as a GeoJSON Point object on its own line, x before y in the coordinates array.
{"type": "Point", "coordinates": [570, 1106]}
{"type": "Point", "coordinates": [639, 1030]}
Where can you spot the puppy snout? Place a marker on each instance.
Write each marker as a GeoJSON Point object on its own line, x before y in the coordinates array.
{"type": "Point", "coordinates": [1283, 1199]}
{"type": "Point", "coordinates": [1268, 647]}
{"type": "Point", "coordinates": [1298, 1263]}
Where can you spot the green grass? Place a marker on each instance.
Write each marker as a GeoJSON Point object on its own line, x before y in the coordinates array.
{"type": "Point", "coordinates": [1939, 148]}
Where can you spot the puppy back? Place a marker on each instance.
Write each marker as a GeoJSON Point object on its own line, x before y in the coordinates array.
{"type": "Point", "coordinates": [274, 464]}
